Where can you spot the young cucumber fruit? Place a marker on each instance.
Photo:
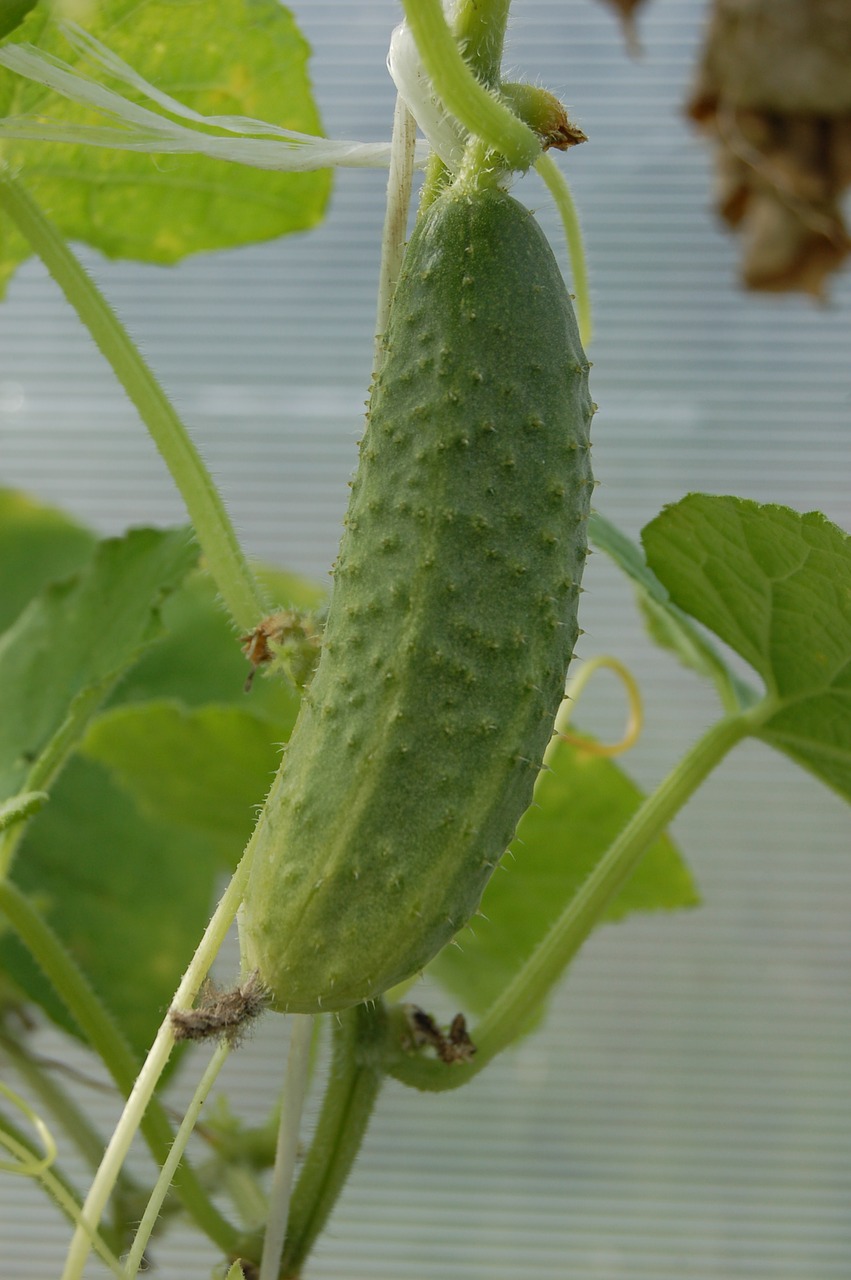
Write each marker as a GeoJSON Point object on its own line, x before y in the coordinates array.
{"type": "Point", "coordinates": [451, 624]}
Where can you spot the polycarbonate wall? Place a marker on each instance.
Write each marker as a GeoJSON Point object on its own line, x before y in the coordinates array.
{"type": "Point", "coordinates": [686, 1110]}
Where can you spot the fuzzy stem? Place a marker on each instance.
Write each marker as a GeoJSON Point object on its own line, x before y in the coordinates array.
{"type": "Point", "coordinates": [292, 1105]}
{"type": "Point", "coordinates": [52, 759]}
{"type": "Point", "coordinates": [57, 1186]}
{"type": "Point", "coordinates": [240, 591]}
{"type": "Point", "coordinates": [437, 179]}
{"type": "Point", "coordinates": [479, 27]}
{"type": "Point", "coordinates": [245, 1193]}
{"type": "Point", "coordinates": [461, 93]}
{"type": "Point", "coordinates": [169, 1169]}
{"type": "Point", "coordinates": [350, 1097]}
{"type": "Point", "coordinates": [74, 1121]}
{"type": "Point", "coordinates": [561, 194]}
{"type": "Point", "coordinates": [73, 988]}
{"type": "Point", "coordinates": [510, 1011]}
{"type": "Point", "coordinates": [21, 806]}
{"type": "Point", "coordinates": [141, 1103]}
{"type": "Point", "coordinates": [14, 816]}
{"type": "Point", "coordinates": [35, 1165]}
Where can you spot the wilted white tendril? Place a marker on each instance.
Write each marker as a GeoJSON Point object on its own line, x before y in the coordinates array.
{"type": "Point", "coordinates": [447, 136]}
{"type": "Point", "coordinates": [142, 129]}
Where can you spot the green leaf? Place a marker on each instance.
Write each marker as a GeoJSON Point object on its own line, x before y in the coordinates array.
{"type": "Point", "coordinates": [38, 544]}
{"type": "Point", "coordinates": [234, 1273]}
{"type": "Point", "coordinates": [12, 14]}
{"type": "Point", "coordinates": [222, 57]}
{"type": "Point", "coordinates": [581, 804]}
{"type": "Point", "coordinates": [668, 625]}
{"type": "Point", "coordinates": [200, 659]}
{"type": "Point", "coordinates": [62, 656]}
{"type": "Point", "coordinates": [128, 896]}
{"type": "Point", "coordinates": [207, 770]}
{"type": "Point", "coordinates": [775, 586]}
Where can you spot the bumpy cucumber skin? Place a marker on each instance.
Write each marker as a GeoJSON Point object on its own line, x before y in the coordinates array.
{"type": "Point", "coordinates": [452, 619]}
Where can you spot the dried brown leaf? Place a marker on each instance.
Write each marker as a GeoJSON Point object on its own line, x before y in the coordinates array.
{"type": "Point", "coordinates": [773, 90]}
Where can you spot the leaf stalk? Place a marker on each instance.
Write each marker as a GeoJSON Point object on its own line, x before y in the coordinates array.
{"type": "Point", "coordinates": [226, 562]}
{"type": "Point", "coordinates": [510, 1012]}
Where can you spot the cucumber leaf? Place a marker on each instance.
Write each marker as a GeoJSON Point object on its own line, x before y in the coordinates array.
{"type": "Point", "coordinates": [668, 625]}
{"type": "Point", "coordinates": [775, 585]}
{"type": "Point", "coordinates": [124, 864]}
{"type": "Point", "coordinates": [38, 544]}
{"type": "Point", "coordinates": [207, 770]}
{"type": "Point", "coordinates": [197, 660]}
{"type": "Point", "coordinates": [12, 14]}
{"type": "Point", "coordinates": [129, 896]}
{"type": "Point", "coordinates": [218, 57]}
{"type": "Point", "coordinates": [581, 803]}
{"type": "Point", "coordinates": [69, 646]}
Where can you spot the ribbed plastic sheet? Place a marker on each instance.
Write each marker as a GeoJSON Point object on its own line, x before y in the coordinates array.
{"type": "Point", "coordinates": [686, 1109]}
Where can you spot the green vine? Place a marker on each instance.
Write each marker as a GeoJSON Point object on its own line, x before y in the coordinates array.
{"type": "Point", "coordinates": [558, 188]}
{"type": "Point", "coordinates": [510, 1012]}
{"type": "Point", "coordinates": [478, 108]}
{"type": "Point", "coordinates": [226, 562]}
{"type": "Point", "coordinates": [350, 1097]}
{"type": "Point", "coordinates": [479, 27]}
{"type": "Point", "coordinates": [97, 1025]}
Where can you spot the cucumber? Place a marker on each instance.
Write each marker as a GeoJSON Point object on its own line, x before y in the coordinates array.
{"type": "Point", "coordinates": [451, 624]}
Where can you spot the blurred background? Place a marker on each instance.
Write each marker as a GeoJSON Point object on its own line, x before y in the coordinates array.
{"type": "Point", "coordinates": [685, 1111]}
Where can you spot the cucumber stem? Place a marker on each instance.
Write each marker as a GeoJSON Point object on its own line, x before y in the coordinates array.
{"type": "Point", "coordinates": [63, 1108]}
{"type": "Point", "coordinates": [292, 1105]}
{"type": "Point", "coordinates": [476, 106]}
{"type": "Point", "coordinates": [135, 1257]}
{"type": "Point", "coordinates": [437, 179]}
{"type": "Point", "coordinates": [57, 1186]}
{"type": "Point", "coordinates": [19, 807]}
{"type": "Point", "coordinates": [73, 988]}
{"type": "Point", "coordinates": [141, 1104]}
{"type": "Point", "coordinates": [479, 27]}
{"type": "Point", "coordinates": [238, 587]}
{"type": "Point", "coordinates": [350, 1097]}
{"type": "Point", "coordinates": [560, 191]}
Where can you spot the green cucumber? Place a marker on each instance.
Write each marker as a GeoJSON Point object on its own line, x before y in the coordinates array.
{"type": "Point", "coordinates": [451, 624]}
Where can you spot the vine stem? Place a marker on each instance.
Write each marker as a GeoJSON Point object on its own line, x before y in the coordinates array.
{"type": "Point", "coordinates": [33, 1166]}
{"type": "Point", "coordinates": [351, 1093]}
{"type": "Point", "coordinates": [73, 988]}
{"type": "Point", "coordinates": [478, 109]}
{"type": "Point", "coordinates": [147, 1079]}
{"type": "Point", "coordinates": [74, 1121]}
{"type": "Point", "coordinates": [14, 815]}
{"type": "Point", "coordinates": [479, 27]}
{"type": "Point", "coordinates": [57, 1186]}
{"type": "Point", "coordinates": [510, 1011]}
{"type": "Point", "coordinates": [400, 178]}
{"type": "Point", "coordinates": [237, 585]}
{"type": "Point", "coordinates": [292, 1105]}
{"type": "Point", "coordinates": [169, 1169]}
{"type": "Point", "coordinates": [559, 189]}
{"type": "Point", "coordinates": [20, 807]}
{"type": "Point", "coordinates": [51, 760]}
